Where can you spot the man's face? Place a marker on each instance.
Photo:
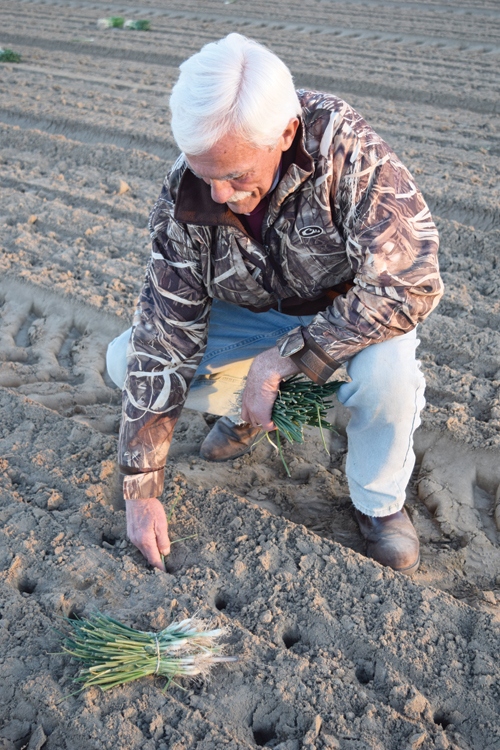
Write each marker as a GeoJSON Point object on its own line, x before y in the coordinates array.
{"type": "Point", "coordinates": [238, 174]}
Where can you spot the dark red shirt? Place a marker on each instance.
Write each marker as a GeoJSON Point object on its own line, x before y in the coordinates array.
{"type": "Point", "coordinates": [253, 220]}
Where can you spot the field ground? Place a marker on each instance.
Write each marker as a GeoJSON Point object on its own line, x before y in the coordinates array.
{"type": "Point", "coordinates": [336, 652]}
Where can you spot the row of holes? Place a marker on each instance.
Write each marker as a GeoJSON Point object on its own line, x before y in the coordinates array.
{"type": "Point", "coordinates": [290, 637]}
{"type": "Point", "coordinates": [262, 736]}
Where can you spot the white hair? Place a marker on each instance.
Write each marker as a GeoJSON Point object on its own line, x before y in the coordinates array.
{"type": "Point", "coordinates": [233, 85]}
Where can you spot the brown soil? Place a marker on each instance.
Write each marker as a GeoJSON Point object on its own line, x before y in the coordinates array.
{"type": "Point", "coordinates": [336, 651]}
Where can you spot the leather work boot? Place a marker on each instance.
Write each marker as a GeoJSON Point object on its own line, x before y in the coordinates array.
{"type": "Point", "coordinates": [227, 440]}
{"type": "Point", "coordinates": [391, 541]}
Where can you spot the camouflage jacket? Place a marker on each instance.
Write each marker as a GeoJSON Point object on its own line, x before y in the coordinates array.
{"type": "Point", "coordinates": [345, 209]}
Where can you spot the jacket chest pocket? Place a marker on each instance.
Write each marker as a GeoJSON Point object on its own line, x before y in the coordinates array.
{"type": "Point", "coordinates": [231, 280]}
{"type": "Point", "coordinates": [312, 255]}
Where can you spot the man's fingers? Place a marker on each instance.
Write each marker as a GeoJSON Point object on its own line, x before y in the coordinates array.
{"type": "Point", "coordinates": [152, 554]}
{"type": "Point", "coordinates": [268, 426]}
{"type": "Point", "coordinates": [147, 528]}
{"type": "Point", "coordinates": [161, 531]}
{"type": "Point", "coordinates": [258, 420]}
{"type": "Point", "coordinates": [260, 417]}
{"type": "Point", "coordinates": [263, 381]}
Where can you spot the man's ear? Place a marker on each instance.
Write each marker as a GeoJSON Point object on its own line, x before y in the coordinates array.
{"type": "Point", "coordinates": [289, 134]}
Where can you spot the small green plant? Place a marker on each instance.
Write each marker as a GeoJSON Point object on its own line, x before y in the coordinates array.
{"type": "Point", "coordinates": [7, 55]}
{"type": "Point", "coordinates": [116, 22]}
{"type": "Point", "coordinates": [141, 25]}
{"type": "Point", "coordinates": [114, 654]}
{"type": "Point", "coordinates": [183, 538]}
{"type": "Point", "coordinates": [301, 403]}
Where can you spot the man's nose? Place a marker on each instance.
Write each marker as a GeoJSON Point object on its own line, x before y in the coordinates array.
{"type": "Point", "coordinates": [221, 191]}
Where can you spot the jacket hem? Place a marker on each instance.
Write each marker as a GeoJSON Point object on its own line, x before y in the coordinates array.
{"type": "Point", "coordinates": [143, 486]}
{"type": "Point", "coordinates": [313, 361]}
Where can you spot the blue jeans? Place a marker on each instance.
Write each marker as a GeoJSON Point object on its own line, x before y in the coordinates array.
{"type": "Point", "coordinates": [385, 396]}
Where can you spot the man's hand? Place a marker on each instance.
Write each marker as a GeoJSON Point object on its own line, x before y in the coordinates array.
{"type": "Point", "coordinates": [147, 528]}
{"type": "Point", "coordinates": [267, 371]}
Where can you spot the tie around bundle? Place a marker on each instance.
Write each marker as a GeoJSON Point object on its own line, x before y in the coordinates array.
{"type": "Point", "coordinates": [113, 653]}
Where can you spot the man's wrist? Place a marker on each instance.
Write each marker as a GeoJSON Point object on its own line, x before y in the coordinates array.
{"type": "Point", "coordinates": [276, 366]}
{"type": "Point", "coordinates": [287, 366]}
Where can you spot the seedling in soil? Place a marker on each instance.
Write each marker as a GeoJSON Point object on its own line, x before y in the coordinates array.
{"type": "Point", "coordinates": [140, 25]}
{"type": "Point", "coordinates": [116, 22]}
{"type": "Point", "coordinates": [170, 513]}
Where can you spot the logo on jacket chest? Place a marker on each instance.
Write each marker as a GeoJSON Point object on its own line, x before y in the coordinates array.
{"type": "Point", "coordinates": [311, 231]}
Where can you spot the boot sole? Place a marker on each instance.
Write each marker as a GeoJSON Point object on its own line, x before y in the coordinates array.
{"type": "Point", "coordinates": [410, 570]}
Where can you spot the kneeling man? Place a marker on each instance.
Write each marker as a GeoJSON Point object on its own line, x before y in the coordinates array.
{"type": "Point", "coordinates": [288, 237]}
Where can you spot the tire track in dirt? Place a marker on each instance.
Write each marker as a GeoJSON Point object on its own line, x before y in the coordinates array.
{"type": "Point", "coordinates": [90, 134]}
{"type": "Point", "coordinates": [100, 80]}
{"type": "Point", "coordinates": [461, 488]}
{"type": "Point", "coordinates": [53, 149]}
{"type": "Point", "coordinates": [460, 212]}
{"type": "Point", "coordinates": [262, 15]}
{"type": "Point", "coordinates": [69, 198]}
{"type": "Point", "coordinates": [354, 82]}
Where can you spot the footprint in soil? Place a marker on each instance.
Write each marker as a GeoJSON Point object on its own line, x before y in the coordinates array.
{"type": "Point", "coordinates": [48, 359]}
{"type": "Point", "coordinates": [461, 488]}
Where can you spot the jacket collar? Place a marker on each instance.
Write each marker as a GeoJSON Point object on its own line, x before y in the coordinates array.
{"type": "Point", "coordinates": [194, 204]}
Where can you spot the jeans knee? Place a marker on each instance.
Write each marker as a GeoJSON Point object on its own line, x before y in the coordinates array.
{"type": "Point", "coordinates": [116, 358]}
{"type": "Point", "coordinates": [385, 378]}
{"type": "Point", "coordinates": [396, 380]}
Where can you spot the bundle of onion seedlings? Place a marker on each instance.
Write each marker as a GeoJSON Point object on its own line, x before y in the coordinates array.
{"type": "Point", "coordinates": [301, 403]}
{"type": "Point", "coordinates": [114, 654]}
{"type": "Point", "coordinates": [7, 55]}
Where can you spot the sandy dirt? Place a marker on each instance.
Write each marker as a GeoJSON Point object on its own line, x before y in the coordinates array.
{"type": "Point", "coordinates": [336, 652]}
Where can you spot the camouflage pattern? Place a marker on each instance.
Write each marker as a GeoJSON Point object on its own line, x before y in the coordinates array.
{"type": "Point", "coordinates": [346, 209]}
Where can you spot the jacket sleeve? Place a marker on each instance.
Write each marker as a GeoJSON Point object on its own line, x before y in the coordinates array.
{"type": "Point", "coordinates": [167, 343]}
{"type": "Point", "coordinates": [391, 244]}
